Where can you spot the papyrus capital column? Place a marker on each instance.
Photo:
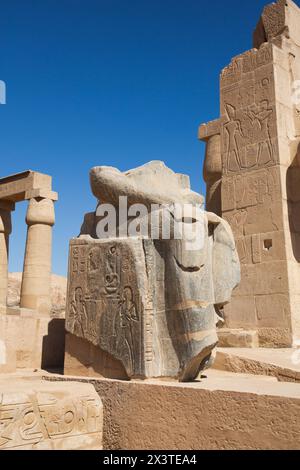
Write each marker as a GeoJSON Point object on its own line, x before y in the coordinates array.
{"type": "Point", "coordinates": [5, 230]}
{"type": "Point", "coordinates": [36, 282]}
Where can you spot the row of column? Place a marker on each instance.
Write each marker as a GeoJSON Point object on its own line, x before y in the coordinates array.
{"type": "Point", "coordinates": [36, 280]}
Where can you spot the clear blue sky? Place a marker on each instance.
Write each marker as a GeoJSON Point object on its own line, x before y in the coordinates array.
{"type": "Point", "coordinates": [109, 82]}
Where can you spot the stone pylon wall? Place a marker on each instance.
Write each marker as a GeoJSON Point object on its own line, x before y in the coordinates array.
{"type": "Point", "coordinates": [252, 170]}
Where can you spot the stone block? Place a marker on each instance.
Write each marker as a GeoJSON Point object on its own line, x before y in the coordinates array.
{"type": "Point", "coordinates": [237, 338]}
{"type": "Point", "coordinates": [221, 413]}
{"type": "Point", "coordinates": [29, 341]}
{"type": "Point", "coordinates": [40, 415]}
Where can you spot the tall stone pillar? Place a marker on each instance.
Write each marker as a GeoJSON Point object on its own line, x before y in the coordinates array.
{"type": "Point", "coordinates": [36, 282]}
{"type": "Point", "coordinates": [5, 230]}
{"type": "Point", "coordinates": [259, 131]}
{"type": "Point", "coordinates": [212, 173]}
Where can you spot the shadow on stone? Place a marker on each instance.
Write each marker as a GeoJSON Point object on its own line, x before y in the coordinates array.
{"type": "Point", "coordinates": [54, 346]}
{"type": "Point", "coordinates": [293, 196]}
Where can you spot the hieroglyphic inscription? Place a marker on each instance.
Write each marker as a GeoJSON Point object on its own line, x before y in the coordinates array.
{"type": "Point", "coordinates": [251, 189]}
{"type": "Point", "coordinates": [150, 298]}
{"type": "Point", "coordinates": [37, 420]}
{"type": "Point", "coordinates": [104, 302]}
{"type": "Point", "coordinates": [249, 124]}
{"type": "Point", "coordinates": [248, 137]}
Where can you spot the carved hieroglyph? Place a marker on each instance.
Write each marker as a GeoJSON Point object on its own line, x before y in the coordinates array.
{"type": "Point", "coordinates": [39, 415]}
{"type": "Point", "coordinates": [252, 170]}
{"type": "Point", "coordinates": [150, 304]}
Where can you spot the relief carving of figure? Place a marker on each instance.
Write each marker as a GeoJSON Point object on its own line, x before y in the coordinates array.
{"type": "Point", "coordinates": [262, 117]}
{"type": "Point", "coordinates": [78, 310]}
{"type": "Point", "coordinates": [128, 316]}
{"type": "Point", "coordinates": [157, 312]}
{"type": "Point", "coordinates": [233, 130]}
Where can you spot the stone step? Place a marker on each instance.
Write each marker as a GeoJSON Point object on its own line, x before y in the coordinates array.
{"type": "Point", "coordinates": [284, 364]}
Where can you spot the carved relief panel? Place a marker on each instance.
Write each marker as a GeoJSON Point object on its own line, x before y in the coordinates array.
{"type": "Point", "coordinates": [105, 305]}
{"type": "Point", "coordinates": [248, 107]}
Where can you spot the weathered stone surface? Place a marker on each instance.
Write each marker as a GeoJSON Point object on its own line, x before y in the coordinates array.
{"type": "Point", "coordinates": [29, 341]}
{"type": "Point", "coordinates": [280, 19]}
{"type": "Point", "coordinates": [39, 415]}
{"type": "Point", "coordinates": [153, 183]}
{"type": "Point", "coordinates": [229, 338]}
{"type": "Point", "coordinates": [222, 412]}
{"type": "Point", "coordinates": [252, 170]}
{"type": "Point", "coordinates": [58, 293]}
{"type": "Point", "coordinates": [284, 364]}
{"type": "Point", "coordinates": [151, 304]}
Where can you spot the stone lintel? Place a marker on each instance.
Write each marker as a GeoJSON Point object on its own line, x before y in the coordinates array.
{"type": "Point", "coordinates": [13, 188]}
{"type": "Point", "coordinates": [41, 193]}
{"type": "Point", "coordinates": [209, 129]}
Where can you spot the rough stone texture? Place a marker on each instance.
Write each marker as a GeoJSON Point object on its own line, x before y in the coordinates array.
{"type": "Point", "coordinates": [284, 364]}
{"type": "Point", "coordinates": [252, 170]}
{"type": "Point", "coordinates": [221, 413]}
{"type": "Point", "coordinates": [237, 338]}
{"type": "Point", "coordinates": [58, 293]}
{"type": "Point", "coordinates": [151, 304]}
{"type": "Point", "coordinates": [29, 341]}
{"type": "Point", "coordinates": [153, 183]}
{"type": "Point", "coordinates": [38, 415]}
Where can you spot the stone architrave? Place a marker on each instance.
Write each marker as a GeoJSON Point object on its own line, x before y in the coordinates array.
{"type": "Point", "coordinates": [140, 307]}
{"type": "Point", "coordinates": [252, 171]}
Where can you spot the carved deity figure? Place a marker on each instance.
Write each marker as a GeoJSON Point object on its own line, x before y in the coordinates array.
{"type": "Point", "coordinates": [78, 310]}
{"type": "Point", "coordinates": [263, 116]}
{"type": "Point", "coordinates": [234, 130]}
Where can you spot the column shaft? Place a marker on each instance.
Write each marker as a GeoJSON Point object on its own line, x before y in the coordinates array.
{"type": "Point", "coordinates": [36, 282]}
{"type": "Point", "coordinates": [5, 230]}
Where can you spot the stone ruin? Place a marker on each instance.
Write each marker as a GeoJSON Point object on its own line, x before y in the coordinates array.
{"type": "Point", "coordinates": [143, 311]}
{"type": "Point", "coordinates": [29, 336]}
{"type": "Point", "coordinates": [148, 307]}
{"type": "Point", "coordinates": [252, 168]}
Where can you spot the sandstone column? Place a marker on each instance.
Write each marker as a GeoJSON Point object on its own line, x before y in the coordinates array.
{"type": "Point", "coordinates": [35, 291]}
{"type": "Point", "coordinates": [5, 230]}
{"type": "Point", "coordinates": [212, 173]}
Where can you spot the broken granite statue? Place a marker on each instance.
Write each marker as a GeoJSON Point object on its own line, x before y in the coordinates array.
{"type": "Point", "coordinates": [143, 306]}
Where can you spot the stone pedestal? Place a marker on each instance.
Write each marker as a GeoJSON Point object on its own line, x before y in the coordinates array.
{"type": "Point", "coordinates": [35, 290]}
{"type": "Point", "coordinates": [140, 308]}
{"type": "Point", "coordinates": [221, 412]}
